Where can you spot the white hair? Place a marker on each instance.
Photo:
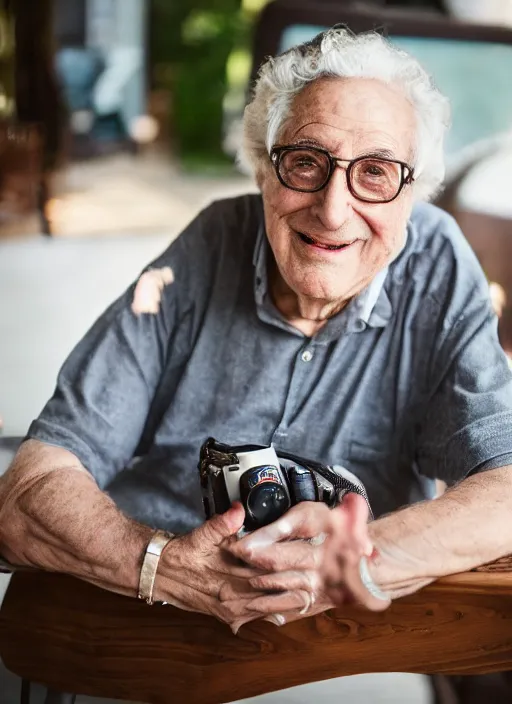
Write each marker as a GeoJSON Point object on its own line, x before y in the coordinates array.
{"type": "Point", "coordinates": [337, 52]}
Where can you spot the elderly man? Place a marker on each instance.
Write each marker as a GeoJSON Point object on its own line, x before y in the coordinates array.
{"type": "Point", "coordinates": [335, 316]}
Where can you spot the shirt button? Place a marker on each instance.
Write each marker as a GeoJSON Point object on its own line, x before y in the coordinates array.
{"type": "Point", "coordinates": [359, 325]}
{"type": "Point", "coordinates": [307, 356]}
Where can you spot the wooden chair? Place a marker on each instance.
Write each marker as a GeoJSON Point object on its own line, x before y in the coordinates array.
{"type": "Point", "coordinates": [279, 15]}
{"type": "Point", "coordinates": [74, 637]}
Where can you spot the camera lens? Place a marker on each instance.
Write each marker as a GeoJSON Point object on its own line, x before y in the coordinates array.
{"type": "Point", "coordinates": [267, 502]}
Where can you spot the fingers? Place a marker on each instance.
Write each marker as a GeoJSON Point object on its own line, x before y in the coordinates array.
{"type": "Point", "coordinates": [280, 619]}
{"type": "Point", "coordinates": [341, 572]}
{"type": "Point", "coordinates": [342, 553]}
{"type": "Point", "coordinates": [348, 542]}
{"type": "Point", "coordinates": [267, 550]}
{"type": "Point", "coordinates": [232, 604]}
{"type": "Point", "coordinates": [352, 588]}
{"type": "Point", "coordinates": [305, 520]}
{"type": "Point", "coordinates": [269, 604]}
{"type": "Point", "coordinates": [214, 577]}
{"type": "Point", "coordinates": [348, 531]}
{"type": "Point", "coordinates": [222, 526]}
{"type": "Point", "coordinates": [280, 557]}
{"type": "Point", "coordinates": [356, 524]}
{"type": "Point", "coordinates": [306, 580]}
{"type": "Point", "coordinates": [238, 590]}
{"type": "Point", "coordinates": [239, 603]}
{"type": "Point", "coordinates": [237, 623]}
{"type": "Point", "coordinates": [319, 607]}
{"type": "Point", "coordinates": [231, 566]}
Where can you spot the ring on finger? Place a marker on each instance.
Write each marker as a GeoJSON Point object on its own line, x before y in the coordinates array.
{"type": "Point", "coordinates": [310, 600]}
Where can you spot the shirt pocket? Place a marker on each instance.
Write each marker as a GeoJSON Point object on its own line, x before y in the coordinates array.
{"type": "Point", "coordinates": [374, 465]}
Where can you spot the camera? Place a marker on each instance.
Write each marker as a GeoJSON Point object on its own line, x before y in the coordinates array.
{"type": "Point", "coordinates": [267, 482]}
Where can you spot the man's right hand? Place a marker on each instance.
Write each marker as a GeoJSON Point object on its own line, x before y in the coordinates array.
{"type": "Point", "coordinates": [196, 573]}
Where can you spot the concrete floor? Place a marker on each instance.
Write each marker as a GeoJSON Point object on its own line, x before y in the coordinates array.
{"type": "Point", "coordinates": [50, 292]}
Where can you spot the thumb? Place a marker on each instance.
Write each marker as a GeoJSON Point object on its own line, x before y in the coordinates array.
{"type": "Point", "coordinates": [224, 525]}
{"type": "Point", "coordinates": [357, 520]}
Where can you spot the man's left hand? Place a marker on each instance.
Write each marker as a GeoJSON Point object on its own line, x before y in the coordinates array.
{"type": "Point", "coordinates": [345, 572]}
{"type": "Point", "coordinates": [290, 552]}
{"type": "Point", "coordinates": [295, 550]}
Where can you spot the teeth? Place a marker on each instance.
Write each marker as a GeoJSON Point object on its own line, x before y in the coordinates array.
{"type": "Point", "coordinates": [310, 240]}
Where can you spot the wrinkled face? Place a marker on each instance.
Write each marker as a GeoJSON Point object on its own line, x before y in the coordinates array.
{"type": "Point", "coordinates": [349, 118]}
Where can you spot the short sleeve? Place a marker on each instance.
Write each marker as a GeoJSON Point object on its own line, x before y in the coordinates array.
{"type": "Point", "coordinates": [467, 425]}
{"type": "Point", "coordinates": [106, 386]}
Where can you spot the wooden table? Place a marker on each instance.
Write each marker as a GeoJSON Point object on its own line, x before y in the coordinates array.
{"type": "Point", "coordinates": [74, 637]}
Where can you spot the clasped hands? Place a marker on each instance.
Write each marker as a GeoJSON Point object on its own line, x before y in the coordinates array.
{"type": "Point", "coordinates": [302, 564]}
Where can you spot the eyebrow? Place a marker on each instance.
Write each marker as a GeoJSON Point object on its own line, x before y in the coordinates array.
{"type": "Point", "coordinates": [308, 141]}
{"type": "Point", "coordinates": [384, 153]}
{"type": "Point", "coordinates": [376, 153]}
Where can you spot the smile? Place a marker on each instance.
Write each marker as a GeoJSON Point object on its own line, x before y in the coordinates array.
{"type": "Point", "coordinates": [329, 247]}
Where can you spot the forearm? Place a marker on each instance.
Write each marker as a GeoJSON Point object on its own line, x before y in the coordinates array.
{"type": "Point", "coordinates": [466, 527]}
{"type": "Point", "coordinates": [53, 516]}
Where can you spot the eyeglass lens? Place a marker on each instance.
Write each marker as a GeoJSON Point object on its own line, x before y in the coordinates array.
{"type": "Point", "coordinates": [370, 178]}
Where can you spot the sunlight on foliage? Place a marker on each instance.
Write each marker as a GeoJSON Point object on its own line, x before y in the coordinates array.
{"type": "Point", "coordinates": [201, 26]}
{"type": "Point", "coordinates": [238, 67]}
{"type": "Point", "coordinates": [254, 5]}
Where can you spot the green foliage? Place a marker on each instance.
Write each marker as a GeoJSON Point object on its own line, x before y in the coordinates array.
{"type": "Point", "coordinates": [190, 45]}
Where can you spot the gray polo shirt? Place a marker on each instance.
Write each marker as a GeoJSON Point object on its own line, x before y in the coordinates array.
{"type": "Point", "coordinates": [407, 384]}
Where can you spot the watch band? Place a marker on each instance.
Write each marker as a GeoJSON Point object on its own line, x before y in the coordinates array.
{"type": "Point", "coordinates": [149, 567]}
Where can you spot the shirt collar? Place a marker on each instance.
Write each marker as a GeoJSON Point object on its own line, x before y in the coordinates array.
{"type": "Point", "coordinates": [259, 261]}
{"type": "Point", "coordinates": [370, 308]}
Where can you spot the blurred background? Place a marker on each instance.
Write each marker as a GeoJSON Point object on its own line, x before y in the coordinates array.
{"type": "Point", "coordinates": [120, 119]}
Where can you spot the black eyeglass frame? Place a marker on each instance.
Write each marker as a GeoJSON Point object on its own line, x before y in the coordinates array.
{"type": "Point", "coordinates": [276, 155]}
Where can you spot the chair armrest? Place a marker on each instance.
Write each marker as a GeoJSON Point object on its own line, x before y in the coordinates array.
{"type": "Point", "coordinates": [75, 637]}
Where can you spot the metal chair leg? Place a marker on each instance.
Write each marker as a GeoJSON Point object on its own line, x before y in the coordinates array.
{"type": "Point", "coordinates": [25, 692]}
{"type": "Point", "coordinates": [59, 697]}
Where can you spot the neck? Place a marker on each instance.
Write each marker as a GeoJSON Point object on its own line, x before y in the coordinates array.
{"type": "Point", "coordinates": [309, 315]}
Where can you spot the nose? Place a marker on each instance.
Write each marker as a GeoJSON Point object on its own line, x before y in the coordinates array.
{"type": "Point", "coordinates": [333, 206]}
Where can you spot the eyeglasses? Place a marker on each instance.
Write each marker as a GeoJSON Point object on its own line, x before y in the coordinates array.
{"type": "Point", "coordinates": [370, 179]}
